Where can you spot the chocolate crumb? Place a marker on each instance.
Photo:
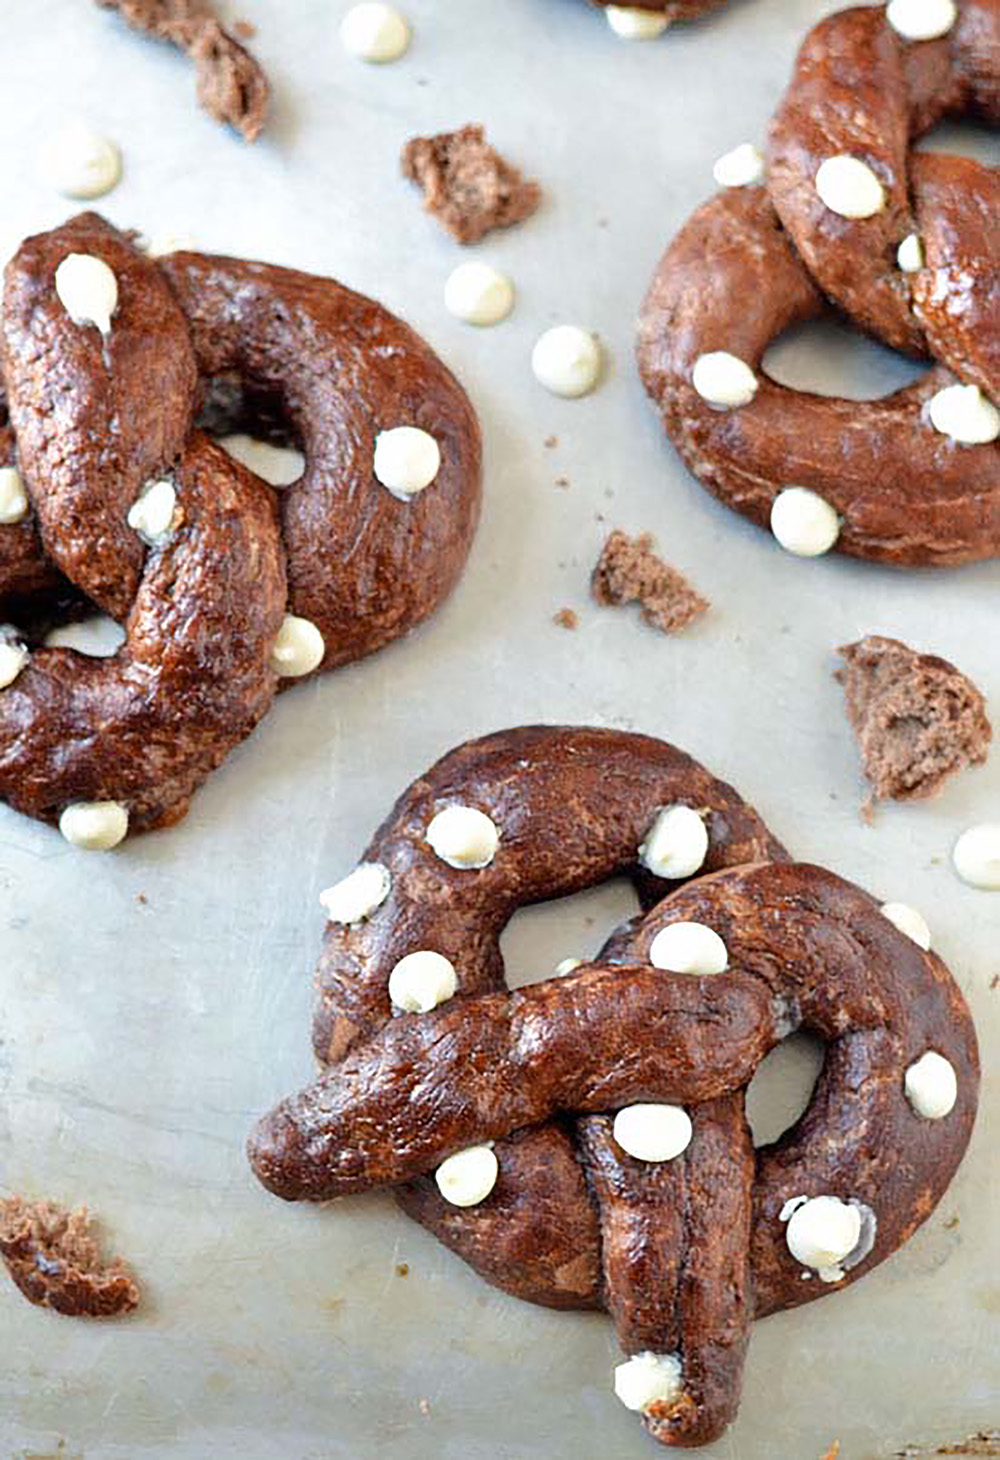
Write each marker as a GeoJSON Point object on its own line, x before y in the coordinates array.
{"type": "Point", "coordinates": [52, 1256]}
{"type": "Point", "coordinates": [550, 442]}
{"type": "Point", "coordinates": [917, 718]}
{"type": "Point", "coordinates": [467, 185]}
{"type": "Point", "coordinates": [245, 29]}
{"type": "Point", "coordinates": [566, 618]}
{"type": "Point", "coordinates": [952, 1223]}
{"type": "Point", "coordinates": [562, 482]}
{"type": "Point", "coordinates": [995, 981]}
{"type": "Point", "coordinates": [402, 1269]}
{"type": "Point", "coordinates": [629, 571]}
{"type": "Point", "coordinates": [231, 85]}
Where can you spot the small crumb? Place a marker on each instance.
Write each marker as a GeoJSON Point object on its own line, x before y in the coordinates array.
{"type": "Point", "coordinates": [141, 897]}
{"type": "Point", "coordinates": [245, 29]}
{"type": "Point", "coordinates": [550, 442]}
{"type": "Point", "coordinates": [599, 517]}
{"type": "Point", "coordinates": [566, 618]}
{"type": "Point", "coordinates": [562, 482]}
{"type": "Point", "coordinates": [952, 1223]}
{"type": "Point", "coordinates": [833, 1451]}
{"type": "Point", "coordinates": [629, 571]}
{"type": "Point", "coordinates": [995, 981]}
{"type": "Point", "coordinates": [916, 717]}
{"type": "Point", "coordinates": [54, 1258]}
{"type": "Point", "coordinates": [467, 185]}
{"type": "Point", "coordinates": [424, 1406]}
{"type": "Point", "coordinates": [402, 1269]}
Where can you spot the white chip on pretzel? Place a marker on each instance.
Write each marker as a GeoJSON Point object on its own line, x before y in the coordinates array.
{"type": "Point", "coordinates": [688, 948]}
{"type": "Point", "coordinates": [13, 497]}
{"type": "Point", "coordinates": [742, 167]}
{"type": "Point", "coordinates": [849, 187]}
{"type": "Point", "coordinates": [94, 826]}
{"type": "Point", "coordinates": [87, 290]}
{"type": "Point", "coordinates": [651, 1132]}
{"type": "Point", "coordinates": [298, 649]}
{"type": "Point", "coordinates": [823, 1231]}
{"type": "Point", "coordinates": [723, 380]}
{"type": "Point", "coordinates": [910, 254]}
{"type": "Point", "coordinates": [964, 413]}
{"type": "Point", "coordinates": [676, 844]}
{"type": "Point", "coordinates": [931, 1086]}
{"type": "Point", "coordinates": [468, 1177]}
{"type": "Point", "coordinates": [406, 460]}
{"type": "Point", "coordinates": [153, 514]}
{"type": "Point", "coordinates": [14, 655]}
{"type": "Point", "coordinates": [630, 23]}
{"type": "Point", "coordinates": [422, 980]}
{"type": "Point", "coordinates": [647, 1379]}
{"type": "Point", "coordinates": [908, 921]}
{"type": "Point", "coordinates": [355, 897]}
{"type": "Point", "coordinates": [803, 522]}
{"type": "Point", "coordinates": [921, 20]}
{"type": "Point", "coordinates": [464, 837]}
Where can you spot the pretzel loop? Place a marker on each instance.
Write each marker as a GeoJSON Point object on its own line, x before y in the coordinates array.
{"type": "Point", "coordinates": [99, 413]}
{"type": "Point", "coordinates": [684, 1252]}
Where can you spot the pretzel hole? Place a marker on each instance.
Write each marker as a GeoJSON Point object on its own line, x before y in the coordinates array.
{"type": "Point", "coordinates": [250, 424]}
{"type": "Point", "coordinates": [828, 357]}
{"type": "Point", "coordinates": [963, 139]}
{"type": "Point", "coordinates": [539, 937]}
{"type": "Point", "coordinates": [782, 1088]}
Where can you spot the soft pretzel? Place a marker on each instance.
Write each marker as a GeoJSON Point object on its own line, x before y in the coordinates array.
{"type": "Point", "coordinates": [236, 590]}
{"type": "Point", "coordinates": [911, 478]}
{"type": "Point", "coordinates": [683, 1252]}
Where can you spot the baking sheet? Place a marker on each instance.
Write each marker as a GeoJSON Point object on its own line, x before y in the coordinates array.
{"type": "Point", "coordinates": [154, 1000]}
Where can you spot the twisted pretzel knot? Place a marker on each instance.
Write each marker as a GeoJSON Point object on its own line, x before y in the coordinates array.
{"type": "Point", "coordinates": [755, 260]}
{"type": "Point", "coordinates": [92, 419]}
{"type": "Point", "coordinates": [684, 1253]}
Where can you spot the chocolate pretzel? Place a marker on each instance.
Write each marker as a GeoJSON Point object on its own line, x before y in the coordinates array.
{"type": "Point", "coordinates": [905, 244]}
{"type": "Point", "coordinates": [686, 1246]}
{"type": "Point", "coordinates": [224, 588]}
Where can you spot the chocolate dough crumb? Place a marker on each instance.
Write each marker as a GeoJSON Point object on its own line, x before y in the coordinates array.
{"type": "Point", "coordinates": [231, 85]}
{"type": "Point", "coordinates": [402, 1269]}
{"type": "Point", "coordinates": [245, 29]}
{"type": "Point", "coordinates": [467, 185]}
{"type": "Point", "coordinates": [629, 571]}
{"type": "Point", "coordinates": [566, 618]}
{"type": "Point", "coordinates": [562, 482]}
{"type": "Point", "coordinates": [550, 442]}
{"type": "Point", "coordinates": [55, 1261]}
{"type": "Point", "coordinates": [917, 718]}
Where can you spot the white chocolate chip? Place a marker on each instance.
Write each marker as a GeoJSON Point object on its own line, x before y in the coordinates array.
{"type": "Point", "coordinates": [375, 32]}
{"type": "Point", "coordinates": [358, 895]}
{"type": "Point", "coordinates": [154, 514]}
{"type": "Point", "coordinates": [803, 522]}
{"type": "Point", "coordinates": [723, 380]}
{"type": "Point", "coordinates": [676, 844]}
{"type": "Point", "coordinates": [13, 655]}
{"type": "Point", "coordinates": [478, 294]}
{"type": "Point", "coordinates": [98, 637]}
{"type": "Point", "coordinates": [822, 1232]}
{"type": "Point", "coordinates": [963, 413]}
{"type": "Point", "coordinates": [298, 649]}
{"type": "Point", "coordinates": [653, 1132]}
{"type": "Point", "coordinates": [464, 837]}
{"type": "Point", "coordinates": [632, 24]}
{"type": "Point", "coordinates": [468, 1177]}
{"type": "Point", "coordinates": [567, 360]}
{"type": "Point", "coordinates": [80, 163]}
{"type": "Point", "coordinates": [741, 168]}
{"type": "Point", "coordinates": [421, 981]}
{"type": "Point", "coordinates": [648, 1379]}
{"type": "Point", "coordinates": [13, 497]}
{"type": "Point", "coordinates": [566, 965]}
{"type": "Point", "coordinates": [910, 254]}
{"type": "Point", "coordinates": [162, 244]}
{"type": "Point", "coordinates": [931, 1086]}
{"type": "Point", "coordinates": [849, 188]}
{"type": "Point", "coordinates": [977, 856]}
{"type": "Point", "coordinates": [908, 921]}
{"type": "Point", "coordinates": [921, 20]}
{"type": "Point", "coordinates": [94, 826]}
{"type": "Point", "coordinates": [87, 290]}
{"type": "Point", "coordinates": [688, 948]}
{"type": "Point", "coordinates": [406, 460]}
